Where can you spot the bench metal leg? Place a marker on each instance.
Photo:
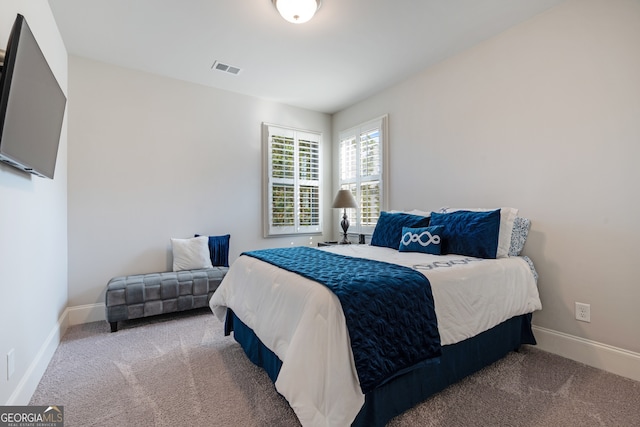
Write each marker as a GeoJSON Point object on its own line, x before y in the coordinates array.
{"type": "Point", "coordinates": [114, 326]}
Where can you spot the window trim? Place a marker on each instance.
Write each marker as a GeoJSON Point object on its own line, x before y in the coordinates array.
{"type": "Point", "coordinates": [380, 122]}
{"type": "Point", "coordinates": [296, 229]}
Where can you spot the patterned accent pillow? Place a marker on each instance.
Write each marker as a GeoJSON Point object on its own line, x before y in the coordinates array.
{"type": "Point", "coordinates": [388, 231]}
{"type": "Point", "coordinates": [425, 239]}
{"type": "Point", "coordinates": [469, 233]}
{"type": "Point", "coordinates": [533, 269]}
{"type": "Point", "coordinates": [521, 227]}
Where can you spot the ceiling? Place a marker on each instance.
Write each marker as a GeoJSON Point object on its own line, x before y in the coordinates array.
{"type": "Point", "coordinates": [350, 50]}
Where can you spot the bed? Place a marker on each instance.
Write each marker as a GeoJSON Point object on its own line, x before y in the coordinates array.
{"type": "Point", "coordinates": [302, 333]}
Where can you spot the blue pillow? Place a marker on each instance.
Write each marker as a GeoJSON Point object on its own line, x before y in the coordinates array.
{"type": "Point", "coordinates": [469, 233]}
{"type": "Point", "coordinates": [219, 250]}
{"type": "Point", "coordinates": [425, 239]}
{"type": "Point", "coordinates": [388, 231]}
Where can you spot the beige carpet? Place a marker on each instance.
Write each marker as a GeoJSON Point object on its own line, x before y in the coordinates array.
{"type": "Point", "coordinates": [182, 371]}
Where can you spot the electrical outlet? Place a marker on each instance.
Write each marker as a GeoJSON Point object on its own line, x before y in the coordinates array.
{"type": "Point", "coordinates": [11, 363]}
{"type": "Point", "coordinates": [583, 312]}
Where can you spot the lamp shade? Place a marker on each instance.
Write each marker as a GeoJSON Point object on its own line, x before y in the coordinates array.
{"type": "Point", "coordinates": [344, 199]}
{"type": "Point", "coordinates": [297, 11]}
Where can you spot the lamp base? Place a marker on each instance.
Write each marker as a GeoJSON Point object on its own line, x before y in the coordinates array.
{"type": "Point", "coordinates": [344, 240]}
{"type": "Point", "coordinates": [345, 226]}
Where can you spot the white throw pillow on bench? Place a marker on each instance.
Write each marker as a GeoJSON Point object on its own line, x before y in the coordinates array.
{"type": "Point", "coordinates": [191, 254]}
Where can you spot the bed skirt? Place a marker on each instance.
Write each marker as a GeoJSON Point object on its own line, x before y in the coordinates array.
{"type": "Point", "coordinates": [405, 391]}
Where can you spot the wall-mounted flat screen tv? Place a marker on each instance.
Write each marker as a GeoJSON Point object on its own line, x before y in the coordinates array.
{"type": "Point", "coordinates": [31, 105]}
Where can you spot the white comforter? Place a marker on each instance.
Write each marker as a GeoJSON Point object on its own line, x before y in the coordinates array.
{"type": "Point", "coordinates": [303, 324]}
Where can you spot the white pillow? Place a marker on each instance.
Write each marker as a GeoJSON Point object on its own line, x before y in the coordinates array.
{"type": "Point", "coordinates": [507, 216]}
{"type": "Point", "coordinates": [420, 213]}
{"type": "Point", "coordinates": [414, 212]}
{"type": "Point", "coordinates": [191, 254]}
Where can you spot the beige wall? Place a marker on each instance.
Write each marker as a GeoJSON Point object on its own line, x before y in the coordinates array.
{"type": "Point", "coordinates": [546, 118]}
{"type": "Point", "coordinates": [33, 235]}
{"type": "Point", "coordinates": [152, 158]}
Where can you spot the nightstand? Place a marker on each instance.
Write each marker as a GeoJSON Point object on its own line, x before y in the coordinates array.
{"type": "Point", "coordinates": [321, 244]}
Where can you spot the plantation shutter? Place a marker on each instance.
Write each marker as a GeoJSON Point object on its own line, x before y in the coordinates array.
{"type": "Point", "coordinates": [282, 179]}
{"type": "Point", "coordinates": [293, 182]}
{"type": "Point", "coordinates": [309, 180]}
{"type": "Point", "coordinates": [361, 163]}
{"type": "Point", "coordinates": [370, 176]}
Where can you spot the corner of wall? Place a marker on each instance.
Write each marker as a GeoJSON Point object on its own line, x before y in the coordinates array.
{"type": "Point", "coordinates": [86, 313]}
{"type": "Point", "coordinates": [30, 380]}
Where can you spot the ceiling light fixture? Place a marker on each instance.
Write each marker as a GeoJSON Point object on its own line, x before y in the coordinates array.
{"type": "Point", "coordinates": [297, 11]}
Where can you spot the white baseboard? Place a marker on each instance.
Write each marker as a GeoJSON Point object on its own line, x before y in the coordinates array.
{"type": "Point", "coordinates": [71, 316]}
{"type": "Point", "coordinates": [29, 382]}
{"type": "Point", "coordinates": [602, 356]}
{"type": "Point", "coordinates": [86, 313]}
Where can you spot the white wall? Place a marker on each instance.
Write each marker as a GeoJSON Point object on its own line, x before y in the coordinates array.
{"type": "Point", "coordinates": [546, 118]}
{"type": "Point", "coordinates": [152, 158]}
{"type": "Point", "coordinates": [33, 236]}
{"type": "Point", "coordinates": [543, 117]}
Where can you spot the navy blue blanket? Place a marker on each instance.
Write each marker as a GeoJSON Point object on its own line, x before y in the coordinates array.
{"type": "Point", "coordinates": [388, 308]}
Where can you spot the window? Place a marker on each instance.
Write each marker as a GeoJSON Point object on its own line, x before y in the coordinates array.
{"type": "Point", "coordinates": [292, 202]}
{"type": "Point", "coordinates": [361, 158]}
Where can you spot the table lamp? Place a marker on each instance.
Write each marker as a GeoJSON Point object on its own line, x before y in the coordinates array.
{"type": "Point", "coordinates": [344, 199]}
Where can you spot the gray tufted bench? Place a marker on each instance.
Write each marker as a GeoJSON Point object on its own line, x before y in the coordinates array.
{"type": "Point", "coordinates": [143, 295]}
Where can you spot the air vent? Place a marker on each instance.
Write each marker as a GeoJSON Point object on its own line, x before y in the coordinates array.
{"type": "Point", "coordinates": [225, 68]}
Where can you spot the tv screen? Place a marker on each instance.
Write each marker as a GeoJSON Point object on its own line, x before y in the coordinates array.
{"type": "Point", "coordinates": [31, 105]}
